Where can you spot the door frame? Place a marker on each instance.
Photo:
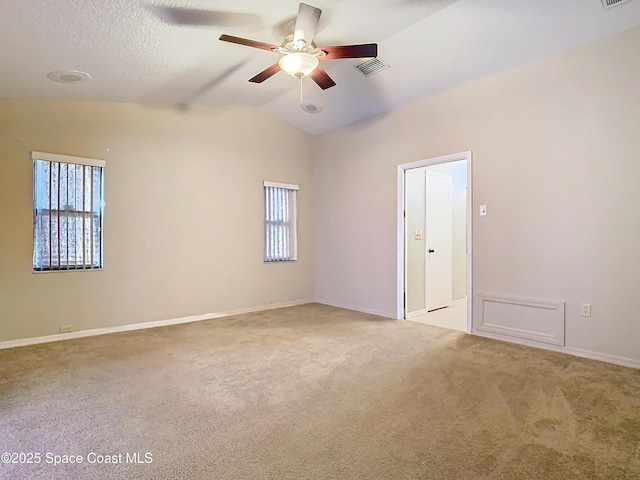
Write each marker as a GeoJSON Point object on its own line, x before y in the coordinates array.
{"type": "Point", "coordinates": [401, 269]}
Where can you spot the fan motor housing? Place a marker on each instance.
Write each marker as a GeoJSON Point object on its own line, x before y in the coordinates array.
{"type": "Point", "coordinates": [289, 46]}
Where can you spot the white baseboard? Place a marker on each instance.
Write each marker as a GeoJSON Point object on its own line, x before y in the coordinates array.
{"type": "Point", "coordinates": [370, 311]}
{"type": "Point", "coordinates": [577, 352]}
{"type": "Point", "coordinates": [142, 326]}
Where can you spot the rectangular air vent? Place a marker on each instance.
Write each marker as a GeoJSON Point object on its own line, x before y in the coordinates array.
{"type": "Point", "coordinates": [612, 3]}
{"type": "Point", "coordinates": [373, 66]}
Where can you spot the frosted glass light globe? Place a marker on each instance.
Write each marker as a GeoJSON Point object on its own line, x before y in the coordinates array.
{"type": "Point", "coordinates": [298, 64]}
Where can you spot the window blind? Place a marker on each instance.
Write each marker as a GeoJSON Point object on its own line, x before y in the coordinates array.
{"type": "Point", "coordinates": [280, 231]}
{"type": "Point", "coordinates": [68, 213]}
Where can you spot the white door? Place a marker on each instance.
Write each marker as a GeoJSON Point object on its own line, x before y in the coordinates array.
{"type": "Point", "coordinates": [438, 235]}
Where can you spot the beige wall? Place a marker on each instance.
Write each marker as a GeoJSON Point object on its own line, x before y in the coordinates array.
{"type": "Point", "coordinates": [555, 157]}
{"type": "Point", "coordinates": [183, 219]}
{"type": "Point", "coordinates": [555, 160]}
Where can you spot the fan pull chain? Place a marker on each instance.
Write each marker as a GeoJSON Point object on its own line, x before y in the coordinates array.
{"type": "Point", "coordinates": [300, 81]}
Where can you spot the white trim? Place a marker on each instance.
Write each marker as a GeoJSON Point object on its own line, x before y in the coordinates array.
{"type": "Point", "coordinates": [400, 281]}
{"type": "Point", "coordinates": [272, 253]}
{"type": "Point", "coordinates": [556, 338]}
{"type": "Point", "coordinates": [576, 352]}
{"type": "Point", "coordinates": [44, 272]}
{"type": "Point", "coordinates": [355, 308]}
{"type": "Point", "coordinates": [603, 357]}
{"type": "Point", "coordinates": [546, 303]}
{"type": "Point", "coordinates": [142, 326]}
{"type": "Point", "coordinates": [54, 157]}
{"type": "Point", "coordinates": [293, 228]}
{"type": "Point", "coordinates": [288, 186]}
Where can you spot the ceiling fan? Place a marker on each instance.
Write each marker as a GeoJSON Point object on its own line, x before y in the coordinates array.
{"type": "Point", "coordinates": [301, 54]}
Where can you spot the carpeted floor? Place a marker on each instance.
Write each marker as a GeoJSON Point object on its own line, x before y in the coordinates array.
{"type": "Point", "coordinates": [314, 392]}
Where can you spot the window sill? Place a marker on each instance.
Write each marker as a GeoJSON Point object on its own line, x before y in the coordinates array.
{"type": "Point", "coordinates": [67, 270]}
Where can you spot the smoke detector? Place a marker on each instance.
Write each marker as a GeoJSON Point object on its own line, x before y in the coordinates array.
{"type": "Point", "coordinates": [612, 3]}
{"type": "Point", "coordinates": [311, 107]}
{"type": "Point", "coordinates": [68, 77]}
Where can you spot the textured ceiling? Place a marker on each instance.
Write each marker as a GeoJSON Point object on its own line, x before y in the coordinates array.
{"type": "Point", "coordinates": [155, 52]}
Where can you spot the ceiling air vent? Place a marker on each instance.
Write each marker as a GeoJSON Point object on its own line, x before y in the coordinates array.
{"type": "Point", "coordinates": [612, 3]}
{"type": "Point", "coordinates": [375, 65]}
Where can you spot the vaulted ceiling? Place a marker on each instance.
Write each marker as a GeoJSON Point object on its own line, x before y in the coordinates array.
{"type": "Point", "coordinates": [167, 52]}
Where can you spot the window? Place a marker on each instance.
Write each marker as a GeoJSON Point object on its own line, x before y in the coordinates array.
{"type": "Point", "coordinates": [280, 236]}
{"type": "Point", "coordinates": [68, 205]}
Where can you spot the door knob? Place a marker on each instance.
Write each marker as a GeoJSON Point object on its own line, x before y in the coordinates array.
{"type": "Point", "coordinates": [431, 250]}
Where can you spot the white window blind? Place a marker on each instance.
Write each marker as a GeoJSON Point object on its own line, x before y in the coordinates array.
{"type": "Point", "coordinates": [67, 212]}
{"type": "Point", "coordinates": [280, 217]}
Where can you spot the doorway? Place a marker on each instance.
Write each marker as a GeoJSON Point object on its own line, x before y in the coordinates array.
{"type": "Point", "coordinates": [434, 239]}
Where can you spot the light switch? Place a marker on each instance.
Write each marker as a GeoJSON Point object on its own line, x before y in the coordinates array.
{"type": "Point", "coordinates": [418, 235]}
{"type": "Point", "coordinates": [483, 210]}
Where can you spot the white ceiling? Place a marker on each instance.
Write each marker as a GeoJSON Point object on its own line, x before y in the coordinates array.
{"type": "Point", "coordinates": [135, 52]}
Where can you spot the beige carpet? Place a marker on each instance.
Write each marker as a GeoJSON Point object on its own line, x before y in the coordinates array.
{"type": "Point", "coordinates": [316, 392]}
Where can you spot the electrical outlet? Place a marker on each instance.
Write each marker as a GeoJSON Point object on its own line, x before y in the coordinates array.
{"type": "Point", "coordinates": [66, 328]}
{"type": "Point", "coordinates": [270, 301]}
{"type": "Point", "coordinates": [586, 310]}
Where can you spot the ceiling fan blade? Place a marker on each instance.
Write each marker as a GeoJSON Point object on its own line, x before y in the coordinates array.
{"type": "Point", "coordinates": [322, 78]}
{"type": "Point", "coordinates": [306, 23]}
{"type": "Point", "coordinates": [206, 18]}
{"type": "Point", "coordinates": [248, 43]}
{"type": "Point", "coordinates": [267, 73]}
{"type": "Point", "coordinates": [367, 50]}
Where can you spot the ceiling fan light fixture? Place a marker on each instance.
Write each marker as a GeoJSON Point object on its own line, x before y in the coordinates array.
{"type": "Point", "coordinates": [298, 64]}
